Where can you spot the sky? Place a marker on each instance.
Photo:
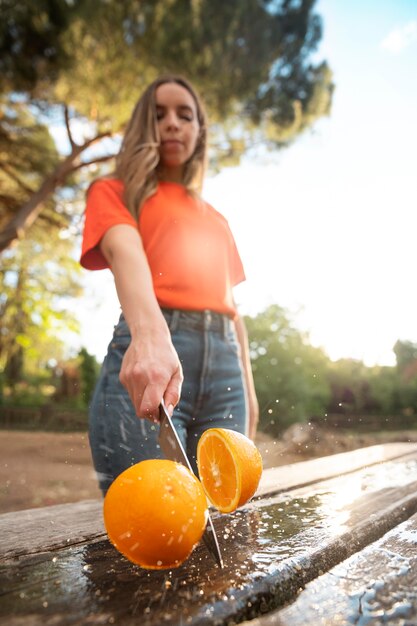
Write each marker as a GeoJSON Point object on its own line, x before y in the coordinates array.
{"type": "Point", "coordinates": [327, 228]}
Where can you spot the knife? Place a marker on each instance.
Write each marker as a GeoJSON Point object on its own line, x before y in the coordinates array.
{"type": "Point", "coordinates": [173, 449]}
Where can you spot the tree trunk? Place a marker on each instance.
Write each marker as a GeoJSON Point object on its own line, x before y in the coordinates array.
{"type": "Point", "coordinates": [14, 356]}
{"type": "Point", "coordinates": [16, 228]}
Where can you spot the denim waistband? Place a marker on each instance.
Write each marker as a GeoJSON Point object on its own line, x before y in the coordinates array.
{"type": "Point", "coordinates": [197, 320]}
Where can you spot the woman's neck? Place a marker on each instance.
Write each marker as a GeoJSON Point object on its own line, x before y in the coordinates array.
{"type": "Point", "coordinates": [171, 175]}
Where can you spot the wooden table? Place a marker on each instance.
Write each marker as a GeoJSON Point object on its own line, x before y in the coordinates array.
{"type": "Point", "coordinates": [329, 541]}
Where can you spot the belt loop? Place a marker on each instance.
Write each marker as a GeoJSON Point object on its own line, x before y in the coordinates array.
{"type": "Point", "coordinates": [173, 322]}
{"type": "Point", "coordinates": [207, 319]}
{"type": "Point", "coordinates": [226, 322]}
{"type": "Point", "coordinates": [171, 318]}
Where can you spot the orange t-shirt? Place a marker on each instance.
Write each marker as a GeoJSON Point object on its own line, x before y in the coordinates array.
{"type": "Point", "coordinates": [190, 249]}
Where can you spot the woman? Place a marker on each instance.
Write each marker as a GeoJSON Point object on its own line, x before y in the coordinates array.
{"type": "Point", "coordinates": [174, 263]}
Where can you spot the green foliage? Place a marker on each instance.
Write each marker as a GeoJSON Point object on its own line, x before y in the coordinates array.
{"type": "Point", "coordinates": [38, 277]}
{"type": "Point", "coordinates": [31, 390]}
{"type": "Point", "coordinates": [40, 274]}
{"type": "Point", "coordinates": [295, 381]}
{"type": "Point", "coordinates": [56, 390]}
{"type": "Point", "coordinates": [250, 60]}
{"type": "Point", "coordinates": [348, 380]}
{"type": "Point", "coordinates": [89, 369]}
{"type": "Point", "coordinates": [407, 397]}
{"type": "Point", "coordinates": [388, 391]}
{"type": "Point", "coordinates": [406, 354]}
{"type": "Point", "coordinates": [31, 51]}
{"type": "Point", "coordinates": [290, 375]}
{"type": "Point", "coordinates": [384, 389]}
{"type": "Point", "coordinates": [27, 155]}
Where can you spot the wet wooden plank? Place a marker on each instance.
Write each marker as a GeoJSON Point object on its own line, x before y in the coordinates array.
{"type": "Point", "coordinates": [272, 548]}
{"type": "Point", "coordinates": [50, 528]}
{"type": "Point", "coordinates": [308, 472]}
{"type": "Point", "coordinates": [375, 586]}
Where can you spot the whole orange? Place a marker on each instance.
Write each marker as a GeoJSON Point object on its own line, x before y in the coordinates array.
{"type": "Point", "coordinates": [155, 513]}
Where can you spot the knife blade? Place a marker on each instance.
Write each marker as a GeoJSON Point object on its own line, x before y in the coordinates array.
{"type": "Point", "coordinates": [173, 449]}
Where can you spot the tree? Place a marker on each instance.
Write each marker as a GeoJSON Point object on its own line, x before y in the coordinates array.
{"type": "Point", "coordinates": [27, 156]}
{"type": "Point", "coordinates": [290, 375]}
{"type": "Point", "coordinates": [38, 278]}
{"type": "Point", "coordinates": [406, 355]}
{"type": "Point", "coordinates": [384, 382]}
{"type": "Point", "coordinates": [89, 369]}
{"type": "Point", "coordinates": [30, 42]}
{"type": "Point", "coordinates": [349, 382]}
{"type": "Point", "coordinates": [250, 60]}
{"type": "Point", "coordinates": [32, 173]}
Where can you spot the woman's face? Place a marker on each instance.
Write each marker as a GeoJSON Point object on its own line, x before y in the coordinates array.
{"type": "Point", "coordinates": [178, 126]}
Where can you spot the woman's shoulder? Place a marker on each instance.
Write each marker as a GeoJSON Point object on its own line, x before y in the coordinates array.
{"type": "Point", "coordinates": [106, 196]}
{"type": "Point", "coordinates": [107, 183]}
{"type": "Point", "coordinates": [215, 212]}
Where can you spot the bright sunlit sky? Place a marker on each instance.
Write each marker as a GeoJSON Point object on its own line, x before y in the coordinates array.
{"type": "Point", "coordinates": [327, 228]}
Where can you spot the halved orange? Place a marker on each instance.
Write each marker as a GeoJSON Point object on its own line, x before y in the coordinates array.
{"type": "Point", "coordinates": [230, 468]}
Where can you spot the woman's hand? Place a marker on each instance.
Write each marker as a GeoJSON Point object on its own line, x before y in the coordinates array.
{"type": "Point", "coordinates": [151, 371]}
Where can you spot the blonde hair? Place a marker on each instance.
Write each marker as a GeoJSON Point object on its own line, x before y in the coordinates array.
{"type": "Point", "coordinates": [138, 158]}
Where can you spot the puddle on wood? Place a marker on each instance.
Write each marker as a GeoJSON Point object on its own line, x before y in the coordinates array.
{"type": "Point", "coordinates": [94, 584]}
{"type": "Point", "coordinates": [374, 587]}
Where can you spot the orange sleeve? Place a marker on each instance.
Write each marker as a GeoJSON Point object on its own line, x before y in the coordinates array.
{"type": "Point", "coordinates": [237, 271]}
{"type": "Point", "coordinates": [104, 209]}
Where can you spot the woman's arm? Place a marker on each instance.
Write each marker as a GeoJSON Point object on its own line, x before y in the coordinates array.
{"type": "Point", "coordinates": [253, 406]}
{"type": "Point", "coordinates": [151, 370]}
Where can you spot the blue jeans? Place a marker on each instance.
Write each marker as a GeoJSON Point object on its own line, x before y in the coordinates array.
{"type": "Point", "coordinates": [213, 394]}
